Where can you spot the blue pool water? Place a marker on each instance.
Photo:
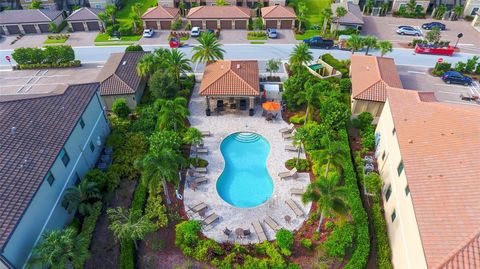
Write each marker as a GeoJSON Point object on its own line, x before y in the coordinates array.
{"type": "Point", "coordinates": [245, 181]}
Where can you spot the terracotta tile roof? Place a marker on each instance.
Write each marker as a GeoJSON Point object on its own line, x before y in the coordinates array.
{"type": "Point", "coordinates": [439, 148]}
{"type": "Point", "coordinates": [160, 12]}
{"type": "Point", "coordinates": [85, 14]}
{"type": "Point", "coordinates": [371, 76]}
{"type": "Point", "coordinates": [354, 14]}
{"type": "Point", "coordinates": [28, 16]}
{"type": "Point", "coordinates": [119, 74]}
{"type": "Point", "coordinates": [230, 78]}
{"type": "Point", "coordinates": [42, 126]}
{"type": "Point", "coordinates": [219, 12]}
{"type": "Point", "coordinates": [278, 12]}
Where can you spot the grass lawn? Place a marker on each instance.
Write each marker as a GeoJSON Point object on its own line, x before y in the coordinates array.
{"type": "Point", "coordinates": [104, 38]}
{"type": "Point", "coordinates": [115, 44]}
{"type": "Point", "coordinates": [313, 10]}
{"type": "Point", "coordinates": [55, 41]}
{"type": "Point", "coordinates": [307, 34]}
{"type": "Point", "coordinates": [257, 42]}
{"type": "Point", "coordinates": [256, 37]}
{"type": "Point", "coordinates": [122, 15]}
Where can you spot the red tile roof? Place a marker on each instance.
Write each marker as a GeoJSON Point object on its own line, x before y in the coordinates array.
{"type": "Point", "coordinates": [278, 12]}
{"type": "Point", "coordinates": [439, 148]}
{"type": "Point", "coordinates": [160, 12]}
{"type": "Point", "coordinates": [219, 12]}
{"type": "Point", "coordinates": [230, 78]}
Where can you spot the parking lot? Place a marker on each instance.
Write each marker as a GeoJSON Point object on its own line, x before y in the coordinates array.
{"type": "Point", "coordinates": [45, 80]}
{"type": "Point", "coordinates": [418, 78]}
{"type": "Point", "coordinates": [384, 28]}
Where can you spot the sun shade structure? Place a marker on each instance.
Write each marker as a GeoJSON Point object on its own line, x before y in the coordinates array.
{"type": "Point", "coordinates": [271, 106]}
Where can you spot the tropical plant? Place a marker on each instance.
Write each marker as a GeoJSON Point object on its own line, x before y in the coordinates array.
{"type": "Point", "coordinates": [172, 113]}
{"type": "Point", "coordinates": [111, 10]}
{"type": "Point", "coordinates": [433, 36]}
{"type": "Point", "coordinates": [120, 108]}
{"type": "Point", "coordinates": [301, 10]}
{"type": "Point", "coordinates": [221, 3]}
{"type": "Point", "coordinates": [330, 197]}
{"type": "Point", "coordinates": [151, 62]}
{"type": "Point", "coordinates": [209, 49]}
{"type": "Point", "coordinates": [129, 224]}
{"type": "Point", "coordinates": [300, 136]}
{"type": "Point", "coordinates": [355, 43]}
{"type": "Point", "coordinates": [163, 85]}
{"type": "Point", "coordinates": [326, 14]}
{"type": "Point", "coordinates": [311, 96]}
{"type": "Point", "coordinates": [104, 19]}
{"type": "Point", "coordinates": [81, 197]}
{"type": "Point", "coordinates": [367, 8]}
{"type": "Point", "coordinates": [457, 12]}
{"type": "Point", "coordinates": [385, 47]}
{"type": "Point", "coordinates": [273, 65]}
{"type": "Point", "coordinates": [333, 153]}
{"type": "Point", "coordinates": [285, 240]}
{"type": "Point", "coordinates": [370, 42]}
{"type": "Point", "coordinates": [59, 249]}
{"type": "Point", "coordinates": [440, 11]}
{"type": "Point", "coordinates": [193, 136]}
{"type": "Point", "coordinates": [135, 19]}
{"type": "Point", "coordinates": [411, 6]}
{"type": "Point", "coordinates": [340, 12]}
{"type": "Point", "coordinates": [301, 55]}
{"type": "Point", "coordinates": [176, 63]}
{"type": "Point", "coordinates": [136, 9]}
{"type": "Point", "coordinates": [35, 5]}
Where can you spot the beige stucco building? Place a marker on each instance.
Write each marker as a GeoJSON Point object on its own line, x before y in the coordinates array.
{"type": "Point", "coordinates": [472, 7]}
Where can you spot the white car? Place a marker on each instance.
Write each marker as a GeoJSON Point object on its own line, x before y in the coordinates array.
{"type": "Point", "coordinates": [148, 32]}
{"type": "Point", "coordinates": [195, 31]}
{"type": "Point", "coordinates": [409, 30]}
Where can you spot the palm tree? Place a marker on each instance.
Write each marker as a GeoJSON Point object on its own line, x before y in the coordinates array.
{"type": "Point", "coordinates": [81, 197]}
{"type": "Point", "coordinates": [172, 113]}
{"type": "Point", "coordinates": [302, 9]}
{"type": "Point", "coordinates": [209, 49]}
{"type": "Point", "coordinates": [110, 10]}
{"type": "Point", "coordinates": [129, 225]}
{"type": "Point", "coordinates": [300, 136]}
{"type": "Point", "coordinates": [151, 62]}
{"type": "Point", "coordinates": [177, 63]}
{"type": "Point", "coordinates": [311, 94]}
{"type": "Point", "coordinates": [193, 136]}
{"type": "Point", "coordinates": [134, 18]}
{"type": "Point", "coordinates": [385, 47]}
{"type": "Point", "coordinates": [370, 42]}
{"type": "Point", "coordinates": [326, 14]}
{"type": "Point", "coordinates": [355, 43]}
{"type": "Point", "coordinates": [333, 152]}
{"type": "Point", "coordinates": [272, 66]}
{"type": "Point", "coordinates": [136, 9]}
{"type": "Point", "coordinates": [104, 18]}
{"type": "Point", "coordinates": [330, 197]}
{"type": "Point", "coordinates": [59, 249]}
{"type": "Point", "coordinates": [300, 55]}
{"type": "Point", "coordinates": [340, 12]}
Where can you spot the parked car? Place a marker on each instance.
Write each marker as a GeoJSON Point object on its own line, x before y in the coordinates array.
{"type": "Point", "coordinates": [456, 78]}
{"type": "Point", "coordinates": [195, 31]}
{"type": "Point", "coordinates": [409, 30]}
{"type": "Point", "coordinates": [272, 33]}
{"type": "Point", "coordinates": [148, 32]}
{"type": "Point", "coordinates": [431, 25]}
{"type": "Point", "coordinates": [318, 42]}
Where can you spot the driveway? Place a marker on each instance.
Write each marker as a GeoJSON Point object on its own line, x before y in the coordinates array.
{"type": "Point", "coordinates": [159, 38]}
{"type": "Point", "coordinates": [30, 40]}
{"type": "Point", "coordinates": [80, 39]}
{"type": "Point", "coordinates": [384, 28]}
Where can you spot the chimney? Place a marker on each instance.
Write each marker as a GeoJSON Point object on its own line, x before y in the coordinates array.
{"type": "Point", "coordinates": [13, 130]}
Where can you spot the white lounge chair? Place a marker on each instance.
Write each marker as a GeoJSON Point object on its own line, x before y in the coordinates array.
{"type": "Point", "coordinates": [210, 219]}
{"type": "Point", "coordinates": [259, 231]}
{"type": "Point", "coordinates": [291, 148]}
{"type": "Point", "coordinates": [288, 135]}
{"type": "Point", "coordinates": [196, 208]}
{"type": "Point", "coordinates": [295, 208]}
{"type": "Point", "coordinates": [291, 173]}
{"type": "Point", "coordinates": [198, 169]}
{"type": "Point", "coordinates": [297, 191]}
{"type": "Point", "coordinates": [287, 129]}
{"type": "Point", "coordinates": [272, 223]}
{"type": "Point", "coordinates": [205, 133]}
{"type": "Point", "coordinates": [201, 150]}
{"type": "Point", "coordinates": [200, 180]}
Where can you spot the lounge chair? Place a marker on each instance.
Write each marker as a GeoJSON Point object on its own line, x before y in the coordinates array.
{"type": "Point", "coordinates": [297, 191]}
{"type": "Point", "coordinates": [198, 169]}
{"type": "Point", "coordinates": [227, 232]}
{"type": "Point", "coordinates": [295, 208]}
{"type": "Point", "coordinates": [259, 231]}
{"type": "Point", "coordinates": [205, 133]}
{"type": "Point", "coordinates": [196, 208]}
{"type": "Point", "coordinates": [200, 180]}
{"type": "Point", "coordinates": [291, 173]}
{"type": "Point", "coordinates": [201, 150]}
{"type": "Point", "coordinates": [272, 223]}
{"type": "Point", "coordinates": [288, 135]}
{"type": "Point", "coordinates": [291, 148]}
{"type": "Point", "coordinates": [210, 219]}
{"type": "Point", "coordinates": [246, 232]}
{"type": "Point", "coordinates": [287, 129]}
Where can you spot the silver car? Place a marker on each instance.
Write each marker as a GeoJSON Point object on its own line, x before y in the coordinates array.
{"type": "Point", "coordinates": [409, 30]}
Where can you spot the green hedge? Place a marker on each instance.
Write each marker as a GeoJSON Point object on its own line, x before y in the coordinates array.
{"type": "Point", "coordinates": [339, 65]}
{"type": "Point", "coordinates": [384, 253]}
{"type": "Point", "coordinates": [89, 223]}
{"type": "Point", "coordinates": [75, 63]}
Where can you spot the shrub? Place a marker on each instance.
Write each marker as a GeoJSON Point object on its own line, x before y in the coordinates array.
{"type": "Point", "coordinates": [329, 225]}
{"type": "Point", "coordinates": [298, 118]}
{"type": "Point", "coordinates": [303, 164]}
{"type": "Point", "coordinates": [127, 254]}
{"type": "Point", "coordinates": [339, 65]}
{"type": "Point", "coordinates": [120, 108]}
{"type": "Point", "coordinates": [345, 85]}
{"type": "Point", "coordinates": [468, 18]}
{"type": "Point", "coordinates": [186, 236]}
{"type": "Point", "coordinates": [139, 197]}
{"type": "Point", "coordinates": [97, 176]}
{"type": "Point", "coordinates": [365, 120]}
{"type": "Point", "coordinates": [198, 162]}
{"type": "Point", "coordinates": [441, 68]}
{"type": "Point", "coordinates": [89, 223]}
{"type": "Point", "coordinates": [340, 240]}
{"type": "Point", "coordinates": [134, 48]}
{"type": "Point", "coordinates": [384, 251]}
{"type": "Point", "coordinates": [368, 137]}
{"type": "Point", "coordinates": [162, 85]}
{"type": "Point", "coordinates": [156, 211]}
{"type": "Point", "coordinates": [373, 183]}
{"type": "Point", "coordinates": [126, 30]}
{"type": "Point", "coordinates": [50, 56]}
{"type": "Point", "coordinates": [255, 35]}
{"type": "Point", "coordinates": [285, 241]}
{"type": "Point", "coordinates": [113, 177]}
{"type": "Point", "coordinates": [188, 27]}
{"type": "Point", "coordinates": [306, 243]}
{"type": "Point", "coordinates": [176, 24]}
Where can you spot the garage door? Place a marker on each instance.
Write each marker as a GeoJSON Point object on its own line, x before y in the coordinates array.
{"type": "Point", "coordinates": [226, 24]}
{"type": "Point", "coordinates": [151, 24]}
{"type": "Point", "coordinates": [44, 28]}
{"type": "Point", "coordinates": [166, 25]}
{"type": "Point", "coordinates": [271, 24]}
{"type": "Point", "coordinates": [197, 24]}
{"type": "Point", "coordinates": [1, 31]}
{"type": "Point", "coordinates": [212, 25]}
{"type": "Point", "coordinates": [93, 26]}
{"type": "Point", "coordinates": [29, 28]}
{"type": "Point", "coordinates": [286, 24]}
{"type": "Point", "coordinates": [78, 26]}
{"type": "Point", "coordinates": [13, 29]}
{"type": "Point", "coordinates": [240, 24]}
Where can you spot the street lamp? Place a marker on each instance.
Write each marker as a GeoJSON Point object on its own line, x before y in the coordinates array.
{"type": "Point", "coordinates": [458, 39]}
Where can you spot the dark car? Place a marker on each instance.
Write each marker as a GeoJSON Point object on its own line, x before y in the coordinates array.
{"type": "Point", "coordinates": [318, 42]}
{"type": "Point", "coordinates": [456, 78]}
{"type": "Point", "coordinates": [431, 25]}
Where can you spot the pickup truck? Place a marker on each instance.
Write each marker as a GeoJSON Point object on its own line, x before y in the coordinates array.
{"type": "Point", "coordinates": [318, 42]}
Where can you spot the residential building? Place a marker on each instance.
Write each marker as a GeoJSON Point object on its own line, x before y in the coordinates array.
{"type": "Point", "coordinates": [429, 163]}
{"type": "Point", "coordinates": [240, 3]}
{"type": "Point", "coordinates": [279, 17]}
{"type": "Point", "coordinates": [472, 7]}
{"type": "Point", "coordinates": [49, 141]}
{"type": "Point", "coordinates": [353, 18]}
{"type": "Point", "coordinates": [230, 85]}
{"type": "Point", "coordinates": [119, 79]}
{"type": "Point", "coordinates": [45, 4]}
{"type": "Point", "coordinates": [160, 17]}
{"type": "Point", "coordinates": [219, 17]}
{"type": "Point", "coordinates": [429, 4]}
{"type": "Point", "coordinates": [101, 4]}
{"type": "Point", "coordinates": [11, 4]}
{"type": "Point", "coordinates": [370, 77]}
{"type": "Point", "coordinates": [85, 19]}
{"type": "Point", "coordinates": [28, 21]}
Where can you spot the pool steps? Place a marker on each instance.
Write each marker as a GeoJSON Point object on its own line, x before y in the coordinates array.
{"type": "Point", "coordinates": [246, 137]}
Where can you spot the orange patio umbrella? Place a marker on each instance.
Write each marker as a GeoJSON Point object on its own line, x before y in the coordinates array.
{"type": "Point", "coordinates": [271, 106]}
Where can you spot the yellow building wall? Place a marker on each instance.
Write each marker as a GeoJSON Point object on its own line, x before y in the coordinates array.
{"type": "Point", "coordinates": [407, 251]}
{"type": "Point", "coordinates": [359, 106]}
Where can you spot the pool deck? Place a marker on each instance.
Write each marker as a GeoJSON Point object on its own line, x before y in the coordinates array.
{"type": "Point", "coordinates": [220, 126]}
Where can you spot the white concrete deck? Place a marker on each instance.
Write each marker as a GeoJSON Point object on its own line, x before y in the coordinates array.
{"type": "Point", "coordinates": [232, 217]}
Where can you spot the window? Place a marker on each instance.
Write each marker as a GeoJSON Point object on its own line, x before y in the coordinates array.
{"type": "Point", "coordinates": [400, 168]}
{"type": "Point", "coordinates": [77, 179]}
{"type": "Point", "coordinates": [388, 192]}
{"type": "Point", "coordinates": [407, 190]}
{"type": "Point", "coordinates": [393, 216]}
{"type": "Point", "coordinates": [92, 146]}
{"type": "Point", "coordinates": [82, 123]}
{"type": "Point", "coordinates": [98, 6]}
{"type": "Point", "coordinates": [394, 131]}
{"type": "Point", "coordinates": [65, 157]}
{"type": "Point", "coordinates": [383, 156]}
{"type": "Point", "coordinates": [50, 178]}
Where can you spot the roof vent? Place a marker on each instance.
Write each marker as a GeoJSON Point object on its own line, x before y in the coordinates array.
{"type": "Point", "coordinates": [124, 62]}
{"type": "Point", "coordinates": [13, 130]}
{"type": "Point", "coordinates": [410, 141]}
{"type": "Point", "coordinates": [368, 68]}
{"type": "Point", "coordinates": [238, 66]}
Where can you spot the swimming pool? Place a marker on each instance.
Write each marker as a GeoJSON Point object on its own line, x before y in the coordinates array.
{"type": "Point", "coordinates": [245, 181]}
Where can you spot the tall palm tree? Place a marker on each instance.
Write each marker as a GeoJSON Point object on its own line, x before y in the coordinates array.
{"type": "Point", "coordinates": [311, 95]}
{"type": "Point", "coordinates": [209, 49]}
{"type": "Point", "coordinates": [177, 63]}
{"type": "Point", "coordinates": [333, 153]}
{"type": "Point", "coordinates": [300, 55]}
{"type": "Point", "coordinates": [326, 14]}
{"type": "Point", "coordinates": [129, 225]}
{"type": "Point", "coordinates": [81, 197]}
{"type": "Point", "coordinates": [151, 62]}
{"type": "Point", "coordinates": [355, 43]}
{"type": "Point", "coordinates": [172, 113]}
{"type": "Point", "coordinates": [340, 12]}
{"type": "Point", "coordinates": [104, 19]}
{"type": "Point", "coordinates": [135, 19]}
{"type": "Point", "coordinates": [370, 42]}
{"type": "Point", "coordinates": [136, 9]}
{"type": "Point", "coordinates": [300, 136]}
{"type": "Point", "coordinates": [59, 249]}
{"type": "Point", "coordinates": [193, 136]}
{"type": "Point", "coordinates": [301, 10]}
{"type": "Point", "coordinates": [110, 10]}
{"type": "Point", "coordinates": [330, 197]}
{"type": "Point", "coordinates": [385, 47]}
